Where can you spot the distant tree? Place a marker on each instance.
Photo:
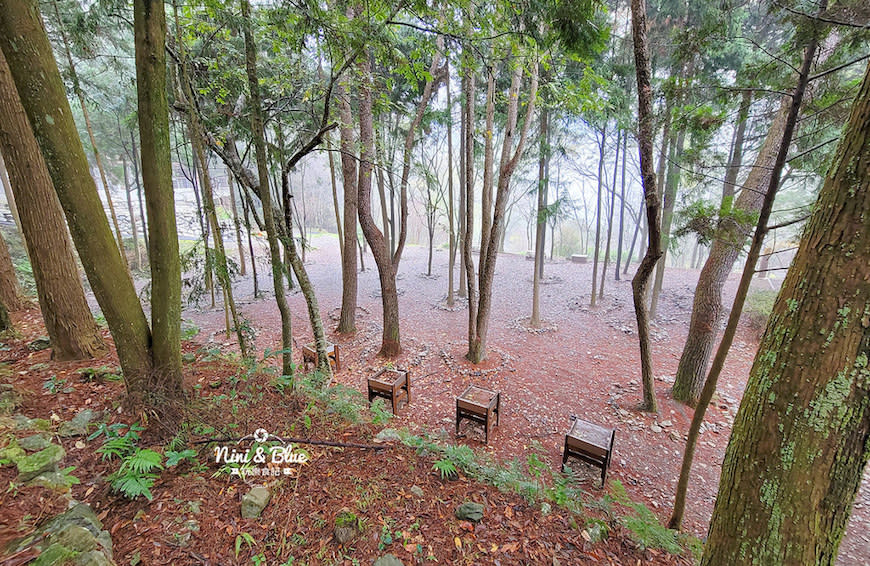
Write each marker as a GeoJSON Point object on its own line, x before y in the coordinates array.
{"type": "Point", "coordinates": [800, 439]}
{"type": "Point", "coordinates": [10, 290]}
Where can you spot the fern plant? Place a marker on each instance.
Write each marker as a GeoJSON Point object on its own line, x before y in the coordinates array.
{"type": "Point", "coordinates": [137, 473]}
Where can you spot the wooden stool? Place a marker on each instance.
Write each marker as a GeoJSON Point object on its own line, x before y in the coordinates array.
{"type": "Point", "coordinates": [391, 383]}
{"type": "Point", "coordinates": [591, 443]}
{"type": "Point", "coordinates": [309, 356]}
{"type": "Point", "coordinates": [479, 405]}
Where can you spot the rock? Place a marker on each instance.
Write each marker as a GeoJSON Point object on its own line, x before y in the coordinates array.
{"type": "Point", "coordinates": [655, 428]}
{"type": "Point", "coordinates": [469, 511]}
{"type": "Point", "coordinates": [43, 461]}
{"type": "Point", "coordinates": [417, 491]}
{"type": "Point", "coordinates": [76, 538]}
{"type": "Point", "coordinates": [78, 426]}
{"type": "Point", "coordinates": [93, 558]}
{"type": "Point", "coordinates": [56, 481]}
{"type": "Point", "coordinates": [597, 532]}
{"type": "Point", "coordinates": [666, 423]}
{"type": "Point", "coordinates": [344, 534]}
{"type": "Point", "coordinates": [13, 453]}
{"type": "Point", "coordinates": [388, 435]}
{"type": "Point", "coordinates": [188, 358]}
{"type": "Point", "coordinates": [9, 398]}
{"type": "Point", "coordinates": [39, 344]}
{"type": "Point", "coordinates": [54, 554]}
{"type": "Point", "coordinates": [35, 443]}
{"type": "Point", "coordinates": [254, 502]}
{"type": "Point", "coordinates": [388, 560]}
{"type": "Point", "coordinates": [346, 523]}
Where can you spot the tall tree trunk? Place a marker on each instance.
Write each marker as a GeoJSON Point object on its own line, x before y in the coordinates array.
{"type": "Point", "coordinates": [672, 184]}
{"type": "Point", "coordinates": [467, 194]}
{"type": "Point", "coordinates": [488, 256]}
{"type": "Point", "coordinates": [758, 236]}
{"type": "Point", "coordinates": [349, 278]}
{"type": "Point", "coordinates": [68, 319]}
{"type": "Point", "coordinates": [77, 89]}
{"type": "Point", "coordinates": [543, 183]}
{"type": "Point", "coordinates": [465, 76]}
{"type": "Point", "coordinates": [640, 282]}
{"type": "Point", "coordinates": [304, 282]}
{"type": "Point", "coordinates": [335, 207]}
{"type": "Point", "coordinates": [142, 215]}
{"type": "Point", "coordinates": [610, 216]}
{"type": "Point", "coordinates": [10, 291]}
{"type": "Point", "coordinates": [150, 35]}
{"type": "Point", "coordinates": [236, 223]}
{"type": "Point", "coordinates": [807, 432]}
{"type": "Point", "coordinates": [451, 209]}
{"type": "Point", "coordinates": [247, 218]}
{"type": "Point", "coordinates": [621, 211]}
{"type": "Point", "coordinates": [264, 192]}
{"type": "Point", "coordinates": [127, 190]}
{"type": "Point", "coordinates": [598, 217]}
{"type": "Point", "coordinates": [43, 96]}
{"type": "Point", "coordinates": [7, 187]}
{"type": "Point", "coordinates": [727, 245]}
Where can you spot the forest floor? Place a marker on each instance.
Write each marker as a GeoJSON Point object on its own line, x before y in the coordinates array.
{"type": "Point", "coordinates": [585, 362]}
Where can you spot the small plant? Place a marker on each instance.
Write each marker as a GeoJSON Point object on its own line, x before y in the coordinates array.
{"type": "Point", "coordinates": [258, 559]}
{"type": "Point", "coordinates": [446, 468]}
{"type": "Point", "coordinates": [242, 539]}
{"type": "Point", "coordinates": [137, 473]}
{"type": "Point", "coordinates": [173, 458]}
{"type": "Point", "coordinates": [53, 384]}
{"type": "Point", "coordinates": [380, 414]}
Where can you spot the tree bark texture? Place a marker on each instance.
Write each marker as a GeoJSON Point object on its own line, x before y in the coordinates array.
{"type": "Point", "coordinates": [43, 96]}
{"type": "Point", "coordinates": [149, 25]}
{"type": "Point", "coordinates": [349, 279]}
{"type": "Point", "coordinates": [65, 311]}
{"type": "Point", "coordinates": [10, 290]}
{"type": "Point", "coordinates": [800, 440]}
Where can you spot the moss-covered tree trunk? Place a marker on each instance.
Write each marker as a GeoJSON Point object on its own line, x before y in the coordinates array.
{"type": "Point", "coordinates": [801, 438]}
{"type": "Point", "coordinates": [10, 290]}
{"type": "Point", "coordinates": [243, 270]}
{"type": "Point", "coordinates": [43, 96]}
{"type": "Point", "coordinates": [149, 26]}
{"type": "Point", "coordinates": [65, 311]}
{"type": "Point", "coordinates": [264, 192]}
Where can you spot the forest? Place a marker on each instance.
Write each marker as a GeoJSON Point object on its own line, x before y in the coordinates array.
{"type": "Point", "coordinates": [537, 282]}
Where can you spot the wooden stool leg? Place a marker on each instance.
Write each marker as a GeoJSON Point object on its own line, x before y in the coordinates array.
{"type": "Point", "coordinates": [408, 385]}
{"type": "Point", "coordinates": [394, 397]}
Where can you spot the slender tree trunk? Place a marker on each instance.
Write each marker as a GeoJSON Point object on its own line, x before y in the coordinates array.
{"type": "Point", "coordinates": [127, 190]}
{"type": "Point", "coordinates": [247, 218]}
{"type": "Point", "coordinates": [43, 96]}
{"type": "Point", "coordinates": [746, 279]}
{"type": "Point", "coordinates": [621, 211]}
{"type": "Point", "coordinates": [68, 319]}
{"type": "Point", "coordinates": [97, 157]}
{"type": "Point", "coordinates": [640, 282]}
{"type": "Point", "coordinates": [10, 291]}
{"type": "Point", "coordinates": [304, 282]}
{"type": "Point", "coordinates": [727, 245]}
{"type": "Point", "coordinates": [467, 194]}
{"type": "Point", "coordinates": [670, 197]}
{"type": "Point", "coordinates": [7, 188]}
{"type": "Point", "coordinates": [598, 217]}
{"type": "Point", "coordinates": [488, 256]}
{"type": "Point", "coordinates": [543, 182]}
{"type": "Point", "coordinates": [610, 217]}
{"type": "Point", "coordinates": [807, 429]}
{"type": "Point", "coordinates": [142, 215]}
{"type": "Point", "coordinates": [335, 206]}
{"type": "Point", "coordinates": [236, 223]}
{"type": "Point", "coordinates": [349, 278]}
{"type": "Point", "coordinates": [451, 211]}
{"type": "Point", "coordinates": [488, 161]}
{"type": "Point", "coordinates": [265, 192]}
{"type": "Point", "coordinates": [204, 226]}
{"type": "Point", "coordinates": [463, 182]}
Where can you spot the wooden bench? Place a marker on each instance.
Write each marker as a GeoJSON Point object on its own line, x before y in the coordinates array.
{"type": "Point", "coordinates": [391, 384]}
{"type": "Point", "coordinates": [591, 443]}
{"type": "Point", "coordinates": [579, 258]}
{"type": "Point", "coordinates": [309, 356]}
{"type": "Point", "coordinates": [479, 405]}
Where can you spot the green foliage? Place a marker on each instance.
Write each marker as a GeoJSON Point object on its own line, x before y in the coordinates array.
{"type": "Point", "coordinates": [53, 384]}
{"type": "Point", "coordinates": [244, 538]}
{"type": "Point", "coordinates": [137, 473]}
{"type": "Point", "coordinates": [380, 414]}
{"type": "Point", "coordinates": [644, 526]}
{"type": "Point", "coordinates": [758, 307]}
{"type": "Point", "coordinates": [445, 467]}
{"type": "Point", "coordinates": [173, 458]}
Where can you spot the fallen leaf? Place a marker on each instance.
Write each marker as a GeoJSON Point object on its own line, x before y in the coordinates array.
{"type": "Point", "coordinates": [458, 542]}
{"type": "Point", "coordinates": [585, 535]}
